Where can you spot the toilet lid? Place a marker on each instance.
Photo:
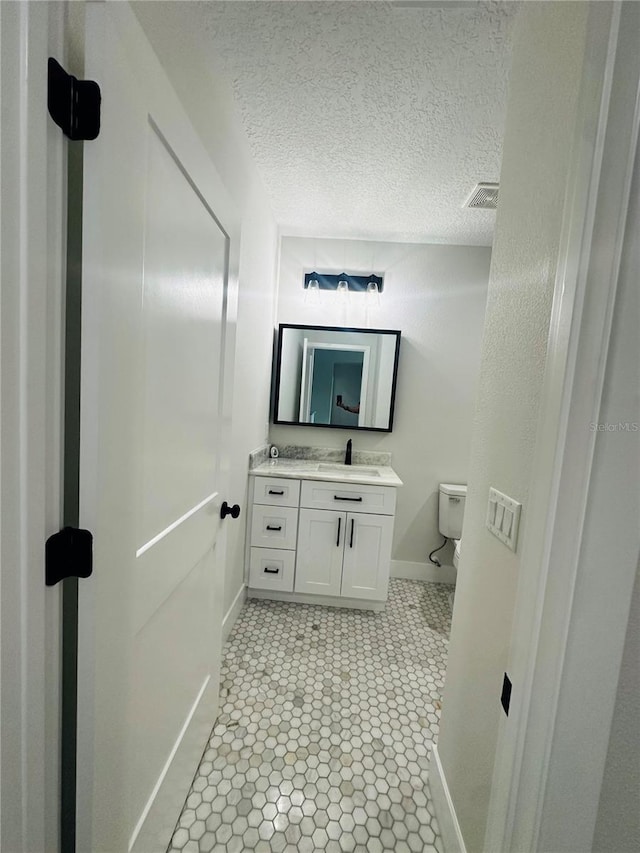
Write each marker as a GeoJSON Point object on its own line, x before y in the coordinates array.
{"type": "Point", "coordinates": [456, 545]}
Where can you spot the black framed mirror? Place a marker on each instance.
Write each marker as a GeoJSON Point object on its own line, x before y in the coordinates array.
{"type": "Point", "coordinates": [341, 378]}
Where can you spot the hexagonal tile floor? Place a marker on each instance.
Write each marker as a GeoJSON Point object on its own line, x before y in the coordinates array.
{"type": "Point", "coordinates": [323, 740]}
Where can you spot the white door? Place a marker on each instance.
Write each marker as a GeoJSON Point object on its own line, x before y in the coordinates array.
{"type": "Point", "coordinates": [367, 554]}
{"type": "Point", "coordinates": [159, 232]}
{"type": "Point", "coordinates": [320, 547]}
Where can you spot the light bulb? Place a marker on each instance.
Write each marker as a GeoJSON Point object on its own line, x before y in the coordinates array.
{"type": "Point", "coordinates": [373, 294]}
{"type": "Point", "coordinates": [343, 290]}
{"type": "Point", "coordinates": [312, 293]}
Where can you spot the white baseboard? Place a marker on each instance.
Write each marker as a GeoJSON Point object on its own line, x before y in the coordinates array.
{"type": "Point", "coordinates": [450, 831]}
{"type": "Point", "coordinates": [157, 821]}
{"type": "Point", "coordinates": [233, 612]}
{"type": "Point", "coordinates": [422, 572]}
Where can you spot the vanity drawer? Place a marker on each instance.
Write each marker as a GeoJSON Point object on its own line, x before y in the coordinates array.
{"type": "Point", "coordinates": [274, 527]}
{"type": "Point", "coordinates": [351, 497]}
{"type": "Point", "coordinates": [276, 491]}
{"type": "Point", "coordinates": [271, 568]}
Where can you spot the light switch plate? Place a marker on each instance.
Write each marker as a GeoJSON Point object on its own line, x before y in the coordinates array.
{"type": "Point", "coordinates": [503, 518]}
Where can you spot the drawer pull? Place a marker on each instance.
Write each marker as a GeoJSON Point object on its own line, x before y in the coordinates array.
{"type": "Point", "coordinates": [356, 500]}
{"type": "Point", "coordinates": [353, 521]}
{"type": "Point", "coordinates": [272, 527]}
{"type": "Point", "coordinates": [274, 492]}
{"type": "Point", "coordinates": [269, 570]}
{"type": "Point", "coordinates": [338, 537]}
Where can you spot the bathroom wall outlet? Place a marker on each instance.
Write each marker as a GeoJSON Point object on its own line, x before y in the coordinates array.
{"type": "Point", "coordinates": [503, 518]}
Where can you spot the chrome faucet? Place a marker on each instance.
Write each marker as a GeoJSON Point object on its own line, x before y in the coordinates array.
{"type": "Point", "coordinates": [347, 453]}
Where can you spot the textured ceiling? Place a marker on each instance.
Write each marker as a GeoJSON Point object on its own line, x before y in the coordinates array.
{"type": "Point", "coordinates": [367, 119]}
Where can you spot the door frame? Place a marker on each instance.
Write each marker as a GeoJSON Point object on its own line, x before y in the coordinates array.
{"type": "Point", "coordinates": [548, 676]}
{"type": "Point", "coordinates": [308, 362]}
{"type": "Point", "coordinates": [32, 265]}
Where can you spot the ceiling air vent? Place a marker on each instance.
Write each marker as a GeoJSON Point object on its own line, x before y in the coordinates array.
{"type": "Point", "coordinates": [483, 197]}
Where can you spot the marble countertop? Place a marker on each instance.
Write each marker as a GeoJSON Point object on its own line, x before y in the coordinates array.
{"type": "Point", "coordinates": [312, 469]}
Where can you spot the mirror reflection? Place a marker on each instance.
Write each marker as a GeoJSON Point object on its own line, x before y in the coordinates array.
{"type": "Point", "coordinates": [336, 377]}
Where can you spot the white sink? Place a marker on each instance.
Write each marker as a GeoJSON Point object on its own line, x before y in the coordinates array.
{"type": "Point", "coordinates": [348, 470]}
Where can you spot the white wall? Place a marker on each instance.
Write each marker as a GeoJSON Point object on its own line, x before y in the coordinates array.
{"type": "Point", "coordinates": [252, 380]}
{"type": "Point", "coordinates": [548, 52]}
{"type": "Point", "coordinates": [212, 111]}
{"type": "Point", "coordinates": [435, 295]}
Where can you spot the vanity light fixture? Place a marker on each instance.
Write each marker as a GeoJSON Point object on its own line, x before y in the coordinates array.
{"type": "Point", "coordinates": [354, 283]}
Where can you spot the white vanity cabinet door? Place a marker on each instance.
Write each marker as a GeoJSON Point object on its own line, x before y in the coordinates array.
{"type": "Point", "coordinates": [320, 548]}
{"type": "Point", "coordinates": [367, 553]}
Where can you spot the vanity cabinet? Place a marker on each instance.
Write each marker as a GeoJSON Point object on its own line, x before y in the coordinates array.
{"type": "Point", "coordinates": [343, 553]}
{"type": "Point", "coordinates": [330, 539]}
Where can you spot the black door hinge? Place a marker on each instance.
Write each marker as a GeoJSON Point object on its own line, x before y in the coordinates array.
{"type": "Point", "coordinates": [68, 554]}
{"type": "Point", "coordinates": [73, 104]}
{"type": "Point", "coordinates": [505, 698]}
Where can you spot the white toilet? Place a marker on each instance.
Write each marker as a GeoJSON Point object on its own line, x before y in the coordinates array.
{"type": "Point", "coordinates": [451, 513]}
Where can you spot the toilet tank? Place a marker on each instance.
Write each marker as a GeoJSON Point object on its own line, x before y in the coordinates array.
{"type": "Point", "coordinates": [451, 509]}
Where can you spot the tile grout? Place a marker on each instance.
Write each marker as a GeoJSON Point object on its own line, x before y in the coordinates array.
{"type": "Point", "coordinates": [323, 738]}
